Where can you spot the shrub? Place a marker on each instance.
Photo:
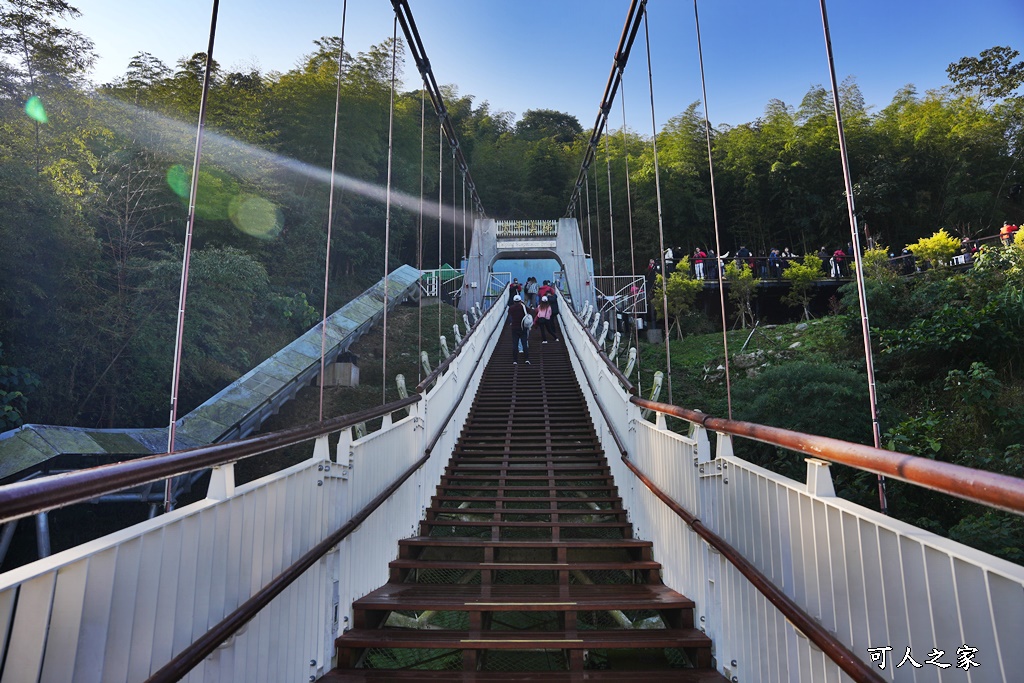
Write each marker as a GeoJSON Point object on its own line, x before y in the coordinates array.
{"type": "Point", "coordinates": [937, 250]}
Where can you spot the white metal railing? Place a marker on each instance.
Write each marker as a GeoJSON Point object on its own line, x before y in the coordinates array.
{"type": "Point", "coordinates": [624, 293]}
{"type": "Point", "coordinates": [444, 281]}
{"type": "Point", "coordinates": [120, 607]}
{"type": "Point", "coordinates": [430, 282]}
{"type": "Point", "coordinates": [497, 284]}
{"type": "Point", "coordinates": [873, 581]}
{"type": "Point", "coordinates": [526, 228]}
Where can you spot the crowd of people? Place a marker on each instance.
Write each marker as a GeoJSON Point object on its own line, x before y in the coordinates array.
{"type": "Point", "coordinates": [706, 264]}
{"type": "Point", "coordinates": [538, 309]}
{"type": "Point", "coordinates": [536, 305]}
{"type": "Point", "coordinates": [836, 263]}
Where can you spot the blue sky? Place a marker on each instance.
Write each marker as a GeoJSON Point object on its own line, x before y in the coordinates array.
{"type": "Point", "coordinates": [556, 54]}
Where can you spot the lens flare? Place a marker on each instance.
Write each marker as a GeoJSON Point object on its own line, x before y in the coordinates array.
{"type": "Point", "coordinates": [256, 216]}
{"type": "Point", "coordinates": [35, 110]}
{"type": "Point", "coordinates": [177, 179]}
{"type": "Point", "coordinates": [249, 163]}
{"type": "Point", "coordinates": [216, 190]}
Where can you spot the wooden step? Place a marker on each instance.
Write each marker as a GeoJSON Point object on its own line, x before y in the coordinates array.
{"type": "Point", "coordinates": [525, 543]}
{"type": "Point", "coordinates": [633, 639]}
{"type": "Point", "coordinates": [387, 675]}
{"type": "Point", "coordinates": [548, 511]}
{"type": "Point", "coordinates": [624, 565]}
{"type": "Point", "coordinates": [510, 598]}
{"type": "Point", "coordinates": [615, 500]}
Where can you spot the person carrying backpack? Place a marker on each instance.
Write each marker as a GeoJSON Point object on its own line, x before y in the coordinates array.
{"type": "Point", "coordinates": [531, 292]}
{"type": "Point", "coordinates": [519, 322]}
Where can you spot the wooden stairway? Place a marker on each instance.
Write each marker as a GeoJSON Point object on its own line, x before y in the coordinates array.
{"type": "Point", "coordinates": [526, 567]}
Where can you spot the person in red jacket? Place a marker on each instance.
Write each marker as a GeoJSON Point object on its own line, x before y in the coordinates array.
{"type": "Point", "coordinates": [545, 289]}
{"type": "Point", "coordinates": [1006, 233]}
{"type": "Point", "coordinates": [520, 331]}
{"type": "Point", "coordinates": [515, 289]}
{"type": "Point", "coordinates": [548, 290]}
{"type": "Point", "coordinates": [698, 262]}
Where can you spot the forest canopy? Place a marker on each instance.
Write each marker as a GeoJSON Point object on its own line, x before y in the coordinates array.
{"type": "Point", "coordinates": [94, 186]}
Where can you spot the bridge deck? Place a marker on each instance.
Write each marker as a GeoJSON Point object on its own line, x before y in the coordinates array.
{"type": "Point", "coordinates": [526, 566]}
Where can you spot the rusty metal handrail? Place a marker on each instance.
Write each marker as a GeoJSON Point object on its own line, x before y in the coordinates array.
{"type": "Point", "coordinates": [32, 496]}
{"type": "Point", "coordinates": [989, 488]}
{"type": "Point", "coordinates": [623, 380]}
{"type": "Point", "coordinates": [833, 648]}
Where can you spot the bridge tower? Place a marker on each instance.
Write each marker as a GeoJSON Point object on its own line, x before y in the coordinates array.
{"type": "Point", "coordinates": [531, 244]}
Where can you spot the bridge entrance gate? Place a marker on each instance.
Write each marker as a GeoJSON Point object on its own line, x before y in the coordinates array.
{"type": "Point", "coordinates": [541, 240]}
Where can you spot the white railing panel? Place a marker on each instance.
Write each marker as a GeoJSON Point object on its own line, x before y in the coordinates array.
{"type": "Point", "coordinates": [365, 555]}
{"type": "Point", "coordinates": [378, 458]}
{"type": "Point", "coordinates": [119, 607]}
{"type": "Point", "coordinates": [28, 633]}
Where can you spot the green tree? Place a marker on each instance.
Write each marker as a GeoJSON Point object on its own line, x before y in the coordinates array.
{"type": "Point", "coordinates": [681, 292]}
{"type": "Point", "coordinates": [802, 276]}
{"type": "Point", "coordinates": [538, 124]}
{"type": "Point", "coordinates": [993, 74]}
{"type": "Point", "coordinates": [742, 290]}
{"type": "Point", "coordinates": [15, 385]}
{"type": "Point", "coordinates": [50, 56]}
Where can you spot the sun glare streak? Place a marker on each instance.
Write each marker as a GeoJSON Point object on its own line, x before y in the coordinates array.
{"type": "Point", "coordinates": [236, 156]}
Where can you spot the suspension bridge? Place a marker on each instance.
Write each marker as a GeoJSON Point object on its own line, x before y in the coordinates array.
{"type": "Point", "coordinates": [504, 521]}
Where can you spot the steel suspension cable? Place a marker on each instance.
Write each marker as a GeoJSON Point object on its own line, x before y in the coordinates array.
{"type": "Point", "coordinates": [440, 222]}
{"type": "Point", "coordinates": [330, 208]}
{"type": "Point", "coordinates": [456, 263]}
{"type": "Point", "coordinates": [858, 259]}
{"type": "Point", "coordinates": [714, 209]}
{"type": "Point", "coordinates": [465, 245]}
{"type": "Point", "coordinates": [419, 236]}
{"type": "Point", "coordinates": [387, 212]}
{"type": "Point", "coordinates": [419, 55]}
{"type": "Point", "coordinates": [611, 215]}
{"type": "Point", "coordinates": [597, 212]}
{"type": "Point", "coordinates": [661, 220]}
{"type": "Point", "coordinates": [590, 236]}
{"type": "Point", "coordinates": [179, 336]}
{"type": "Point", "coordinates": [629, 31]}
{"type": "Point", "coordinates": [629, 217]}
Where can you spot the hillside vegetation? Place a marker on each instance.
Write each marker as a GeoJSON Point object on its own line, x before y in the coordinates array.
{"type": "Point", "coordinates": [950, 374]}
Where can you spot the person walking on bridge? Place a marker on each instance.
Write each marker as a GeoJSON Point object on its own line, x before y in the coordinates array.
{"type": "Point", "coordinates": [515, 289]}
{"type": "Point", "coordinates": [517, 316]}
{"type": "Point", "coordinates": [544, 312]}
{"type": "Point", "coordinates": [530, 290]}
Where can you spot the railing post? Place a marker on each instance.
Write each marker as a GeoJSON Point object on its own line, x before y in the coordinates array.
{"type": "Point", "coordinates": [321, 449]}
{"type": "Point", "coordinates": [723, 445]}
{"type": "Point", "coordinates": [222, 481]}
{"type": "Point", "coordinates": [710, 478]}
{"type": "Point", "coordinates": [819, 478]}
